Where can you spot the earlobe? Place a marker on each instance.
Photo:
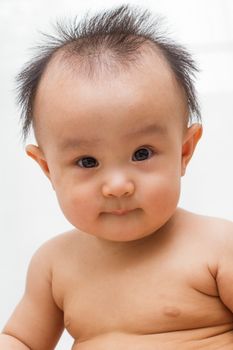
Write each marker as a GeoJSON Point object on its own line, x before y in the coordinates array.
{"type": "Point", "coordinates": [191, 139]}
{"type": "Point", "coordinates": [35, 153]}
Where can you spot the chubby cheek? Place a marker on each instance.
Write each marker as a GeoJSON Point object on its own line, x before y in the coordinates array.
{"type": "Point", "coordinates": [78, 205]}
{"type": "Point", "coordinates": [161, 195]}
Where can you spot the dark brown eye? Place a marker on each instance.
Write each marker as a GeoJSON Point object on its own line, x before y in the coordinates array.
{"type": "Point", "coordinates": [87, 162]}
{"type": "Point", "coordinates": [142, 154]}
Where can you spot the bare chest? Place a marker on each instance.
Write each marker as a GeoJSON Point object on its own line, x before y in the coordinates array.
{"type": "Point", "coordinates": [140, 296]}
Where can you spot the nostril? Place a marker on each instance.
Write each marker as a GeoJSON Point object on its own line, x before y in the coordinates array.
{"type": "Point", "coordinates": [118, 188]}
{"type": "Point", "coordinates": [127, 193]}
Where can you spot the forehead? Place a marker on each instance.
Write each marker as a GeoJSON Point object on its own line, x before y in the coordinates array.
{"type": "Point", "coordinates": [69, 102]}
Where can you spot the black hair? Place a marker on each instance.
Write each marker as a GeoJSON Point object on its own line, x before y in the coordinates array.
{"type": "Point", "coordinates": [122, 31]}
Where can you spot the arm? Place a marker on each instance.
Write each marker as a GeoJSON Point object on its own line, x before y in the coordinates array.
{"type": "Point", "coordinates": [11, 343]}
{"type": "Point", "coordinates": [224, 276]}
{"type": "Point", "coordinates": [37, 322]}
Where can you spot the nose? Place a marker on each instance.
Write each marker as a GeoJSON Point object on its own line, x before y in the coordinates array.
{"type": "Point", "coordinates": [118, 186]}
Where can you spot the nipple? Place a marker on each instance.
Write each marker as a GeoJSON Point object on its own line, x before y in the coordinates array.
{"type": "Point", "coordinates": [171, 311]}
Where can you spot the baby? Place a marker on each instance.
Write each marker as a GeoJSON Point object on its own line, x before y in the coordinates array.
{"type": "Point", "coordinates": [115, 115]}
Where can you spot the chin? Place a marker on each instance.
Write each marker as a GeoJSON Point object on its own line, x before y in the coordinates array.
{"type": "Point", "coordinates": [123, 237]}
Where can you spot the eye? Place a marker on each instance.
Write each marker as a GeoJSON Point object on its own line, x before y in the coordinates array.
{"type": "Point", "coordinates": [87, 162]}
{"type": "Point", "coordinates": [142, 154]}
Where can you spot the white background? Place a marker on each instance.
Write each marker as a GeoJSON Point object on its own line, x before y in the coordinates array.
{"type": "Point", "coordinates": [29, 213]}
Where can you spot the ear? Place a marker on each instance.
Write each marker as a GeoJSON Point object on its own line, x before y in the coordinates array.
{"type": "Point", "coordinates": [191, 139]}
{"type": "Point", "coordinates": [36, 153]}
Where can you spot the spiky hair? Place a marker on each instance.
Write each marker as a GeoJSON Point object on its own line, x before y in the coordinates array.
{"type": "Point", "coordinates": [120, 31]}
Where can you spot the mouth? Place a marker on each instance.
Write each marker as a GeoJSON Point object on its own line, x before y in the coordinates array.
{"type": "Point", "coordinates": [120, 212]}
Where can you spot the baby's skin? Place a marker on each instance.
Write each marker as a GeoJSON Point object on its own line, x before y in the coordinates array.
{"type": "Point", "coordinates": [136, 272]}
{"type": "Point", "coordinates": [167, 291]}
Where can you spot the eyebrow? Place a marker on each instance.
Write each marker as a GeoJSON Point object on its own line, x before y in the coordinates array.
{"type": "Point", "coordinates": [146, 130]}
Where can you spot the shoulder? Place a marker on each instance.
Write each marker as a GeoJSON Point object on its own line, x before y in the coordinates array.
{"type": "Point", "coordinates": [60, 243]}
{"type": "Point", "coordinates": [209, 226]}
{"type": "Point", "coordinates": [219, 228]}
{"type": "Point", "coordinates": [53, 258]}
{"type": "Point", "coordinates": [211, 236]}
{"type": "Point", "coordinates": [219, 233]}
{"type": "Point", "coordinates": [56, 249]}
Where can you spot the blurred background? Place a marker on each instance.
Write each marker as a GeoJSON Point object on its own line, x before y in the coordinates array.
{"type": "Point", "coordinates": [29, 213]}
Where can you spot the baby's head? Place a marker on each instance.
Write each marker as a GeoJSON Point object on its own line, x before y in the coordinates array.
{"type": "Point", "coordinates": [111, 102]}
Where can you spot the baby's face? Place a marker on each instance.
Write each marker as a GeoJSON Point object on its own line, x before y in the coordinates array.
{"type": "Point", "coordinates": [113, 143]}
